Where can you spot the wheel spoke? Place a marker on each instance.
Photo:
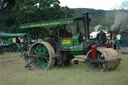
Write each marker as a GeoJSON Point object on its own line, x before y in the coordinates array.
{"type": "Point", "coordinates": [46, 59]}
{"type": "Point", "coordinates": [40, 62]}
{"type": "Point", "coordinates": [43, 49]}
{"type": "Point", "coordinates": [38, 48]}
{"type": "Point", "coordinates": [100, 66]}
{"type": "Point", "coordinates": [46, 54]}
{"type": "Point", "coordinates": [37, 51]}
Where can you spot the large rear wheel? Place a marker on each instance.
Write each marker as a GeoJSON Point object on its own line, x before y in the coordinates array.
{"type": "Point", "coordinates": [14, 47]}
{"type": "Point", "coordinates": [41, 55]}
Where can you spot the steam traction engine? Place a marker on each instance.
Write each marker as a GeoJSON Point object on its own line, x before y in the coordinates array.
{"type": "Point", "coordinates": [56, 43]}
{"type": "Point", "coordinates": [9, 42]}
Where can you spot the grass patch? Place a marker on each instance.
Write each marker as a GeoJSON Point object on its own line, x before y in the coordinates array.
{"type": "Point", "coordinates": [12, 72]}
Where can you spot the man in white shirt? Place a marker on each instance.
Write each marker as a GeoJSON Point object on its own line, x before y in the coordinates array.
{"type": "Point", "coordinates": [118, 37]}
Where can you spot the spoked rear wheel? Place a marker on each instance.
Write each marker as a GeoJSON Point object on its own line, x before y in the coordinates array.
{"type": "Point", "coordinates": [42, 56]}
{"type": "Point", "coordinates": [14, 47]}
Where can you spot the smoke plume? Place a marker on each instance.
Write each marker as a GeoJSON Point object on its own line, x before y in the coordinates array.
{"type": "Point", "coordinates": [120, 21]}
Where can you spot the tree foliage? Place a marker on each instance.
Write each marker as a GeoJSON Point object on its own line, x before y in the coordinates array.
{"type": "Point", "coordinates": [15, 12]}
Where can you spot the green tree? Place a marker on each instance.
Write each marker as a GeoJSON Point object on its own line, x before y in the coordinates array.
{"type": "Point", "coordinates": [27, 11]}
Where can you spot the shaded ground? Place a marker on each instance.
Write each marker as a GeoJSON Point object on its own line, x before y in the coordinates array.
{"type": "Point", "coordinates": [12, 72]}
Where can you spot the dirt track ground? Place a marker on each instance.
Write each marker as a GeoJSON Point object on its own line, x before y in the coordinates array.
{"type": "Point", "coordinates": [12, 72]}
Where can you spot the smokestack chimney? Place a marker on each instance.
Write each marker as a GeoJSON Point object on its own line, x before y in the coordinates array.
{"type": "Point", "coordinates": [86, 25]}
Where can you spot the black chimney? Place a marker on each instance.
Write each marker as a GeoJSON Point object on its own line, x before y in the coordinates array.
{"type": "Point", "coordinates": [86, 25]}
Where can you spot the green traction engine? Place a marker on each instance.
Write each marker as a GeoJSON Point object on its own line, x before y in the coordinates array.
{"type": "Point", "coordinates": [9, 42]}
{"type": "Point", "coordinates": [57, 42]}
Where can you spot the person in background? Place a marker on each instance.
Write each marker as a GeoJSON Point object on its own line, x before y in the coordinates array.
{"type": "Point", "coordinates": [118, 37]}
{"type": "Point", "coordinates": [114, 41]}
{"type": "Point", "coordinates": [114, 38]}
